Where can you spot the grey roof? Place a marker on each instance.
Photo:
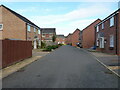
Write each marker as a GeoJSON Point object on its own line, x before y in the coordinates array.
{"type": "Point", "coordinates": [48, 30]}
{"type": "Point", "coordinates": [60, 36]}
{"type": "Point", "coordinates": [21, 17]}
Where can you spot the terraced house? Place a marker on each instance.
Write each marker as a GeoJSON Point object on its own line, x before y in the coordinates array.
{"type": "Point", "coordinates": [68, 40]}
{"type": "Point", "coordinates": [14, 26]}
{"type": "Point", "coordinates": [88, 35]}
{"type": "Point", "coordinates": [76, 37]}
{"type": "Point", "coordinates": [60, 39]}
{"type": "Point", "coordinates": [108, 34]}
{"type": "Point", "coordinates": [47, 35]}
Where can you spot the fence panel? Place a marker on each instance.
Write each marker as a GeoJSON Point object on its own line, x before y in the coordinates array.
{"type": "Point", "coordinates": [14, 51]}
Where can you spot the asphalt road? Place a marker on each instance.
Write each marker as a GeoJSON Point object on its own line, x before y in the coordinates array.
{"type": "Point", "coordinates": [66, 67]}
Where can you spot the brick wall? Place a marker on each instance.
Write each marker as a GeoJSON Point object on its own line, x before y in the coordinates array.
{"type": "Point", "coordinates": [47, 36]}
{"type": "Point", "coordinates": [88, 35]}
{"type": "Point", "coordinates": [0, 35]}
{"type": "Point", "coordinates": [107, 32]}
{"type": "Point", "coordinates": [0, 21]}
{"type": "Point", "coordinates": [75, 37]}
{"type": "Point", "coordinates": [111, 31]}
{"type": "Point", "coordinates": [69, 39]}
{"type": "Point", "coordinates": [60, 40]}
{"type": "Point", "coordinates": [14, 27]}
{"type": "Point", "coordinates": [119, 33]}
{"type": "Point", "coordinates": [0, 14]}
{"type": "Point", "coordinates": [32, 34]}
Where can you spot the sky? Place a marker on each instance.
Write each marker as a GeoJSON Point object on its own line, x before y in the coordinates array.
{"type": "Point", "coordinates": [66, 17]}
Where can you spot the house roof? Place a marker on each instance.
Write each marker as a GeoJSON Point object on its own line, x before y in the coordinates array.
{"type": "Point", "coordinates": [48, 30]}
{"type": "Point", "coordinates": [69, 35]}
{"type": "Point", "coordinates": [91, 24]}
{"type": "Point", "coordinates": [76, 30]}
{"type": "Point", "coordinates": [20, 16]}
{"type": "Point", "coordinates": [60, 36]}
{"type": "Point", "coordinates": [108, 17]}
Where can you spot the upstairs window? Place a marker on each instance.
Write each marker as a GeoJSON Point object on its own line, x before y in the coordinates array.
{"type": "Point", "coordinates": [39, 31]}
{"type": "Point", "coordinates": [97, 28]}
{"type": "Point", "coordinates": [112, 21]}
{"type": "Point", "coordinates": [34, 29]}
{"type": "Point", "coordinates": [28, 28]}
{"type": "Point", "coordinates": [102, 25]}
{"type": "Point", "coordinates": [1, 26]}
{"type": "Point", "coordinates": [111, 40]}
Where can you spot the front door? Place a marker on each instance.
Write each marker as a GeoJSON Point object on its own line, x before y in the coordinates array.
{"type": "Point", "coordinates": [101, 42]}
{"type": "Point", "coordinates": [35, 44]}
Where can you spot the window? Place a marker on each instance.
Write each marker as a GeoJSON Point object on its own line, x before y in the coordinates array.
{"type": "Point", "coordinates": [102, 25]}
{"type": "Point", "coordinates": [28, 28]}
{"type": "Point", "coordinates": [112, 21]}
{"type": "Point", "coordinates": [39, 31]}
{"type": "Point", "coordinates": [97, 28]}
{"type": "Point", "coordinates": [97, 42]}
{"type": "Point", "coordinates": [111, 41]}
{"type": "Point", "coordinates": [1, 26]}
{"type": "Point", "coordinates": [34, 29]}
{"type": "Point", "coordinates": [43, 35]}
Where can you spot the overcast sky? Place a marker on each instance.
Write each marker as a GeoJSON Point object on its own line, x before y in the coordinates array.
{"type": "Point", "coordinates": [64, 16]}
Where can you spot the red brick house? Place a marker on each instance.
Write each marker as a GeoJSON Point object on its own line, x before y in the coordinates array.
{"type": "Point", "coordinates": [47, 34]}
{"type": "Point", "coordinates": [108, 34]}
{"type": "Point", "coordinates": [88, 35]}
{"type": "Point", "coordinates": [60, 39]}
{"type": "Point", "coordinates": [69, 39]}
{"type": "Point", "coordinates": [16, 27]}
{"type": "Point", "coordinates": [75, 37]}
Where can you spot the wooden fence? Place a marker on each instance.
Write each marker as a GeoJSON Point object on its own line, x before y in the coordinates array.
{"type": "Point", "coordinates": [14, 51]}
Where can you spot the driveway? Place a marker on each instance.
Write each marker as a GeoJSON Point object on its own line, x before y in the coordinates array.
{"type": "Point", "coordinates": [66, 67]}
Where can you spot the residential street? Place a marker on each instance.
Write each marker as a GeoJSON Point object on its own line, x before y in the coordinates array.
{"type": "Point", "coordinates": [66, 67]}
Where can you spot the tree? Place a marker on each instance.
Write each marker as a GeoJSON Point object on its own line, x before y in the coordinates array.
{"type": "Point", "coordinates": [54, 38]}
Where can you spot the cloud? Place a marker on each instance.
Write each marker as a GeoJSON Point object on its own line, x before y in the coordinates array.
{"type": "Point", "coordinates": [79, 18]}
{"type": "Point", "coordinates": [26, 10]}
{"type": "Point", "coordinates": [81, 13]}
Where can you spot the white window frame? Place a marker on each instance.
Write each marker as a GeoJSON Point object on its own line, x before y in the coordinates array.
{"type": "Point", "coordinates": [111, 40]}
{"type": "Point", "coordinates": [102, 25]}
{"type": "Point", "coordinates": [97, 42]}
{"type": "Point", "coordinates": [97, 28]}
{"type": "Point", "coordinates": [28, 27]}
{"type": "Point", "coordinates": [112, 21]}
{"type": "Point", "coordinates": [38, 31]}
{"type": "Point", "coordinates": [1, 27]}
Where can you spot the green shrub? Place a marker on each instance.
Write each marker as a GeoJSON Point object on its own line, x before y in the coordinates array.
{"type": "Point", "coordinates": [49, 48]}
{"type": "Point", "coordinates": [60, 44]}
{"type": "Point", "coordinates": [43, 45]}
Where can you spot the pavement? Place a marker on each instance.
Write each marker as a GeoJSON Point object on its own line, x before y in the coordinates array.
{"type": "Point", "coordinates": [66, 67]}
{"type": "Point", "coordinates": [36, 54]}
{"type": "Point", "coordinates": [110, 61]}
